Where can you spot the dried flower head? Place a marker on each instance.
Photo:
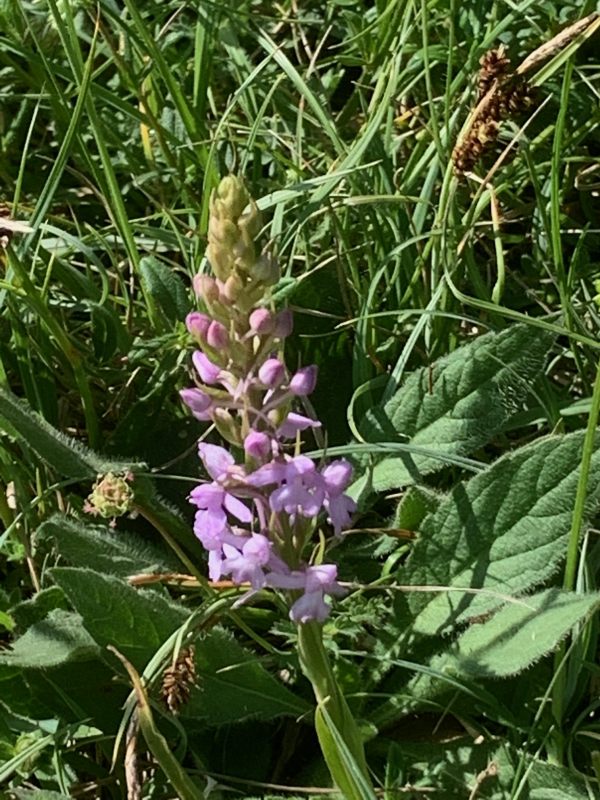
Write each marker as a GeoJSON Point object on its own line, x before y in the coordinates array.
{"type": "Point", "coordinates": [178, 680]}
{"type": "Point", "coordinates": [501, 94]}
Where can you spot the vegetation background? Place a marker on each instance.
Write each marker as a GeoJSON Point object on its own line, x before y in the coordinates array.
{"type": "Point", "coordinates": [117, 121]}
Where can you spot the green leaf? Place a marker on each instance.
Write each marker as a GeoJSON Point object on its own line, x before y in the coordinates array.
{"type": "Point", "coordinates": [347, 774]}
{"type": "Point", "coordinates": [56, 640]}
{"type": "Point", "coordinates": [457, 405]}
{"type": "Point", "coordinates": [6, 621]}
{"type": "Point", "coordinates": [235, 686]}
{"type": "Point", "coordinates": [164, 289]}
{"type": "Point", "coordinates": [520, 633]}
{"type": "Point", "coordinates": [99, 547]}
{"type": "Point", "coordinates": [504, 532]}
{"type": "Point", "coordinates": [67, 456]}
{"type": "Point", "coordinates": [416, 504]}
{"type": "Point", "coordinates": [136, 622]}
{"type": "Point", "coordinates": [41, 604]}
{"type": "Point", "coordinates": [552, 782]}
{"type": "Point", "coordinates": [459, 769]}
{"type": "Point", "coordinates": [38, 794]}
{"type": "Point", "coordinates": [108, 332]}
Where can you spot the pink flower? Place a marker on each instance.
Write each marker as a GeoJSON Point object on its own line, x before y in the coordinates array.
{"type": "Point", "coordinates": [294, 423]}
{"type": "Point", "coordinates": [316, 582]}
{"type": "Point", "coordinates": [209, 373]}
{"type": "Point", "coordinates": [258, 445]}
{"type": "Point", "coordinates": [272, 373]}
{"type": "Point", "coordinates": [247, 565]}
{"type": "Point", "coordinates": [337, 476]}
{"type": "Point", "coordinates": [261, 321]}
{"type": "Point", "coordinates": [199, 403]}
{"type": "Point", "coordinates": [197, 324]}
{"type": "Point", "coordinates": [301, 489]}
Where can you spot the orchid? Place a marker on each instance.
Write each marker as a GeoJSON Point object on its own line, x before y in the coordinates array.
{"type": "Point", "coordinates": [256, 518]}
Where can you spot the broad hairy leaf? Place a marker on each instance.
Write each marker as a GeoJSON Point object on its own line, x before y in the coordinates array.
{"type": "Point", "coordinates": [55, 640]}
{"type": "Point", "coordinates": [456, 405]}
{"type": "Point", "coordinates": [499, 534]}
{"type": "Point", "coordinates": [100, 547]}
{"type": "Point", "coordinates": [233, 685]}
{"type": "Point", "coordinates": [416, 504]}
{"type": "Point", "coordinates": [67, 456]}
{"type": "Point", "coordinates": [135, 621]}
{"type": "Point", "coordinates": [164, 289]}
{"type": "Point", "coordinates": [520, 633]}
{"type": "Point", "coordinates": [28, 612]}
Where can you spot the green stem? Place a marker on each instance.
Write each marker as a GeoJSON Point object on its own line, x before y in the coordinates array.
{"type": "Point", "coordinates": [317, 668]}
{"type": "Point", "coordinates": [578, 511]}
{"type": "Point", "coordinates": [560, 685]}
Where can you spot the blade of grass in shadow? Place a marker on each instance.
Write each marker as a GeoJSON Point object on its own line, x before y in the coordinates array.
{"type": "Point", "coordinates": [157, 744]}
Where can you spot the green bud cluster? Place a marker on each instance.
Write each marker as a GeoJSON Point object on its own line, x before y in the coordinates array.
{"type": "Point", "coordinates": [111, 496]}
{"type": "Point", "coordinates": [234, 223]}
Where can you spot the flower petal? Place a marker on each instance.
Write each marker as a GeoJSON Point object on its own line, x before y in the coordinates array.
{"type": "Point", "coordinates": [216, 459]}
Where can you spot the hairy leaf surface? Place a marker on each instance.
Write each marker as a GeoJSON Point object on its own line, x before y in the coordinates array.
{"type": "Point", "coordinates": [520, 633]}
{"type": "Point", "coordinates": [499, 534]}
{"type": "Point", "coordinates": [458, 404]}
{"type": "Point", "coordinates": [234, 685]}
{"type": "Point", "coordinates": [55, 640]}
{"type": "Point", "coordinates": [134, 621]}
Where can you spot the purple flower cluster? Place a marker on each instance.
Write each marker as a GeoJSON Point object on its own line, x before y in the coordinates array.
{"type": "Point", "coordinates": [256, 518]}
{"type": "Point", "coordinates": [281, 495]}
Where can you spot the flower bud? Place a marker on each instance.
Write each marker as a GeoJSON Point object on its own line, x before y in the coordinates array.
{"type": "Point", "coordinates": [230, 197]}
{"type": "Point", "coordinates": [261, 321]}
{"type": "Point", "coordinates": [257, 445]}
{"type": "Point", "coordinates": [206, 288]}
{"type": "Point", "coordinates": [272, 373]}
{"type": "Point", "coordinates": [304, 381]}
{"type": "Point", "coordinates": [227, 426]}
{"type": "Point", "coordinates": [199, 403]}
{"type": "Point", "coordinates": [208, 372]}
{"type": "Point", "coordinates": [233, 288]}
{"type": "Point", "coordinates": [251, 220]}
{"type": "Point", "coordinates": [197, 324]}
{"type": "Point", "coordinates": [337, 476]}
{"type": "Point", "coordinates": [284, 324]}
{"type": "Point", "coordinates": [217, 336]}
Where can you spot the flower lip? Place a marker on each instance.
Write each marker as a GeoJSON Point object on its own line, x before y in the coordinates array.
{"type": "Point", "coordinates": [294, 423]}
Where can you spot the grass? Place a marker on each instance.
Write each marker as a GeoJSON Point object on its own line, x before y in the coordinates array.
{"type": "Point", "coordinates": [118, 121]}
